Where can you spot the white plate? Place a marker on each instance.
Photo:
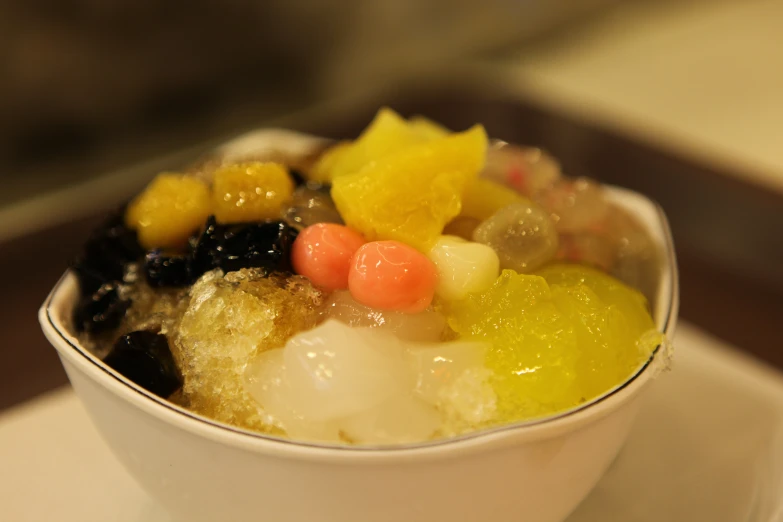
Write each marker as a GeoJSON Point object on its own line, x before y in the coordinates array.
{"type": "Point", "coordinates": [707, 446]}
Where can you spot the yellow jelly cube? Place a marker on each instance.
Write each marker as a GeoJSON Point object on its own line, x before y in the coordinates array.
{"type": "Point", "coordinates": [244, 192]}
{"type": "Point", "coordinates": [484, 197]}
{"type": "Point", "coordinates": [409, 196]}
{"type": "Point", "coordinates": [169, 210]}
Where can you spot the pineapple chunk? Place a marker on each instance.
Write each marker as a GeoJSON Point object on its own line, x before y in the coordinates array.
{"type": "Point", "coordinates": [322, 170]}
{"type": "Point", "coordinates": [428, 129]}
{"type": "Point", "coordinates": [246, 192]}
{"type": "Point", "coordinates": [409, 196]}
{"type": "Point", "coordinates": [386, 134]}
{"type": "Point", "coordinates": [169, 210]}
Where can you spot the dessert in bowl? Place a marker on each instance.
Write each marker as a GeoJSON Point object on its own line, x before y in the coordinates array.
{"type": "Point", "coordinates": [416, 325]}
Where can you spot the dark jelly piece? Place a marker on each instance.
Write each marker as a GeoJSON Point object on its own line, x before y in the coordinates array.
{"type": "Point", "coordinates": [206, 250]}
{"type": "Point", "coordinates": [101, 311]}
{"type": "Point", "coordinates": [145, 358]}
{"type": "Point", "coordinates": [90, 277]}
{"type": "Point", "coordinates": [193, 240]}
{"type": "Point", "coordinates": [251, 245]}
{"type": "Point", "coordinates": [167, 270]}
{"type": "Point", "coordinates": [106, 253]}
{"type": "Point", "coordinates": [297, 176]}
{"type": "Point", "coordinates": [115, 236]}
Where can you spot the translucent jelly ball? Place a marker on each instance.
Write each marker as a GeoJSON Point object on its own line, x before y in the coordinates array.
{"type": "Point", "coordinates": [335, 371]}
{"type": "Point", "coordinates": [575, 204]}
{"type": "Point", "coordinates": [595, 249]}
{"type": "Point", "coordinates": [637, 260]}
{"type": "Point", "coordinates": [337, 379]}
{"type": "Point", "coordinates": [266, 383]}
{"type": "Point", "coordinates": [527, 170]}
{"type": "Point", "coordinates": [522, 234]}
{"type": "Point", "coordinates": [424, 326]}
{"type": "Point", "coordinates": [311, 205]}
{"type": "Point", "coordinates": [463, 266]}
{"type": "Point", "coordinates": [365, 386]}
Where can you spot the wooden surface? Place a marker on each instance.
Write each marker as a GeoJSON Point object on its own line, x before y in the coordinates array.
{"type": "Point", "coordinates": [726, 234]}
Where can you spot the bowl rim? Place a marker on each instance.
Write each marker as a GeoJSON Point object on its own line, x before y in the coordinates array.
{"type": "Point", "coordinates": [532, 429]}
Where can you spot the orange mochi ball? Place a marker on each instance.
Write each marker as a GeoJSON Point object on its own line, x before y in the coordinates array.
{"type": "Point", "coordinates": [390, 275]}
{"type": "Point", "coordinates": [323, 252]}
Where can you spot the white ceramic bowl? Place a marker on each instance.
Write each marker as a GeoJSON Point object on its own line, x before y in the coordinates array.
{"type": "Point", "coordinates": [204, 471]}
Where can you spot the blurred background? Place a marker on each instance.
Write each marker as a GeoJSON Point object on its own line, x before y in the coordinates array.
{"type": "Point", "coordinates": [113, 82]}
{"type": "Point", "coordinates": [679, 99]}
